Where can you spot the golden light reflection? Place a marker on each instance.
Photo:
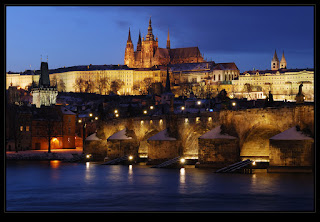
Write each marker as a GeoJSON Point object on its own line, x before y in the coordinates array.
{"type": "Point", "coordinates": [182, 175]}
{"type": "Point", "coordinates": [55, 164]}
{"type": "Point", "coordinates": [130, 173]}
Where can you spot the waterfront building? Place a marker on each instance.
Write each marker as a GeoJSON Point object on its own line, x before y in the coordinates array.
{"type": "Point", "coordinates": [31, 128]}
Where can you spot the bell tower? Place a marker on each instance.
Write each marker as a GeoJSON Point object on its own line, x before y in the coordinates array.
{"type": "Point", "coordinates": [283, 62]}
{"type": "Point", "coordinates": [275, 61]}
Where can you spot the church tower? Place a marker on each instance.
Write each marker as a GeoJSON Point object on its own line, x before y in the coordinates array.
{"type": "Point", "coordinates": [149, 47]}
{"type": "Point", "coordinates": [275, 61]}
{"type": "Point", "coordinates": [129, 53]}
{"type": "Point", "coordinates": [283, 62]}
{"type": "Point", "coordinates": [168, 41]}
{"type": "Point", "coordinates": [139, 42]}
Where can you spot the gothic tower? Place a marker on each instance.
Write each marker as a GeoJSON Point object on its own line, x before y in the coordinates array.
{"type": "Point", "coordinates": [168, 41]}
{"type": "Point", "coordinates": [275, 61]}
{"type": "Point", "coordinates": [129, 53]}
{"type": "Point", "coordinates": [283, 62]}
{"type": "Point", "coordinates": [149, 47]}
{"type": "Point", "coordinates": [44, 94]}
{"type": "Point", "coordinates": [139, 42]}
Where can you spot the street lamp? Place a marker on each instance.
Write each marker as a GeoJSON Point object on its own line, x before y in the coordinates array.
{"type": "Point", "coordinates": [90, 114]}
{"type": "Point", "coordinates": [145, 112]}
{"type": "Point", "coordinates": [151, 107]}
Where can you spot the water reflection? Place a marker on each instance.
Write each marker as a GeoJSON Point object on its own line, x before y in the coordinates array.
{"type": "Point", "coordinates": [55, 174]}
{"type": "Point", "coordinates": [88, 172]}
{"type": "Point", "coordinates": [54, 164]}
{"type": "Point", "coordinates": [130, 174]}
{"type": "Point", "coordinates": [182, 180]}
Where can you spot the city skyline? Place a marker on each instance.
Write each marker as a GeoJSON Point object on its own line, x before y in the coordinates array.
{"type": "Point", "coordinates": [81, 35]}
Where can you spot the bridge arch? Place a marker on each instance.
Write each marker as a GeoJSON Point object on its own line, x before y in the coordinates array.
{"type": "Point", "coordinates": [254, 144]}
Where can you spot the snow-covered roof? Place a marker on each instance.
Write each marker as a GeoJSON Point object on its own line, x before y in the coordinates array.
{"type": "Point", "coordinates": [93, 137]}
{"type": "Point", "coordinates": [121, 135]}
{"type": "Point", "coordinates": [291, 134]}
{"type": "Point", "coordinates": [162, 135]}
{"type": "Point", "coordinates": [216, 134]}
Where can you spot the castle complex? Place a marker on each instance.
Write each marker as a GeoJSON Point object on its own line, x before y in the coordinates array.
{"type": "Point", "coordinates": [148, 53]}
{"type": "Point", "coordinates": [148, 65]}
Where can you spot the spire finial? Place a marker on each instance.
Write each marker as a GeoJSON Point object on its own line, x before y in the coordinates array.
{"type": "Point", "coordinates": [129, 36]}
{"type": "Point", "coordinates": [168, 40]}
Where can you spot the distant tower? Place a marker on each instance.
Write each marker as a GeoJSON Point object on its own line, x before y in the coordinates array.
{"type": "Point", "coordinates": [167, 97]}
{"type": "Point", "coordinates": [129, 53]}
{"type": "Point", "coordinates": [44, 94]}
{"type": "Point", "coordinates": [139, 42]}
{"type": "Point", "coordinates": [283, 62]}
{"type": "Point", "coordinates": [168, 41]}
{"type": "Point", "coordinates": [275, 61]}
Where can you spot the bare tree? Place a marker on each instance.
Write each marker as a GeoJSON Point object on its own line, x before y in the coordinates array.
{"type": "Point", "coordinates": [79, 84]}
{"type": "Point", "coordinates": [102, 84]}
{"type": "Point", "coordinates": [61, 86]}
{"type": "Point", "coordinates": [116, 85]}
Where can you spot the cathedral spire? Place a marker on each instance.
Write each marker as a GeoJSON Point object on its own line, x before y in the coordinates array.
{"type": "Point", "coordinates": [275, 61]}
{"type": "Point", "coordinates": [150, 35]}
{"type": "Point", "coordinates": [129, 36]}
{"type": "Point", "coordinates": [139, 42]}
{"type": "Point", "coordinates": [283, 62]}
{"type": "Point", "coordinates": [275, 57]}
{"type": "Point", "coordinates": [168, 40]}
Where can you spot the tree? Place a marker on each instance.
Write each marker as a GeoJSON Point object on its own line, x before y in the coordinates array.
{"type": "Point", "coordinates": [88, 86]}
{"type": "Point", "coordinates": [102, 85]}
{"type": "Point", "coordinates": [185, 88]}
{"type": "Point", "coordinates": [79, 84]}
{"type": "Point", "coordinates": [147, 83]}
{"type": "Point", "coordinates": [116, 85]}
{"type": "Point", "coordinates": [61, 86]}
{"type": "Point", "coordinates": [247, 88]}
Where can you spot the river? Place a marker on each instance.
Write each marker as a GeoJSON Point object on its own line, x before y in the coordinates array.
{"type": "Point", "coordinates": [60, 186]}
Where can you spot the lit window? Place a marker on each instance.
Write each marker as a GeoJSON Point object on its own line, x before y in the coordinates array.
{"type": "Point", "coordinates": [27, 128]}
{"type": "Point", "coordinates": [21, 128]}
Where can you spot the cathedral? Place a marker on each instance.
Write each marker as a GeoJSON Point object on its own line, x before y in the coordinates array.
{"type": "Point", "coordinates": [148, 54]}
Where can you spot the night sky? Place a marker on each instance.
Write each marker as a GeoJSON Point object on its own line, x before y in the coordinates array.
{"type": "Point", "coordinates": [82, 35]}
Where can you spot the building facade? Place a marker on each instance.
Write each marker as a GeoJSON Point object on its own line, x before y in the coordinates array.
{"type": "Point", "coordinates": [282, 82]}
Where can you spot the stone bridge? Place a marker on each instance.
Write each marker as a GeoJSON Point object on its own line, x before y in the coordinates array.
{"type": "Point", "coordinates": [252, 127]}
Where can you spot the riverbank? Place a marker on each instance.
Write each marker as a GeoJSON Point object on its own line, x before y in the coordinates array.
{"type": "Point", "coordinates": [56, 154]}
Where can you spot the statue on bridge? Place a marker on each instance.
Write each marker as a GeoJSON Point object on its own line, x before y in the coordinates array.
{"type": "Point", "coordinates": [269, 100]}
{"type": "Point", "coordinates": [300, 97]}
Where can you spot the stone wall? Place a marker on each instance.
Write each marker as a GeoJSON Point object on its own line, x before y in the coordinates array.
{"type": "Point", "coordinates": [119, 148]}
{"type": "Point", "coordinates": [163, 149]}
{"type": "Point", "coordinates": [218, 152]}
{"type": "Point", "coordinates": [291, 153]}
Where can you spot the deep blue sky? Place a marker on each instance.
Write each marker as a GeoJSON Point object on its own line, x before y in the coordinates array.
{"type": "Point", "coordinates": [82, 35]}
